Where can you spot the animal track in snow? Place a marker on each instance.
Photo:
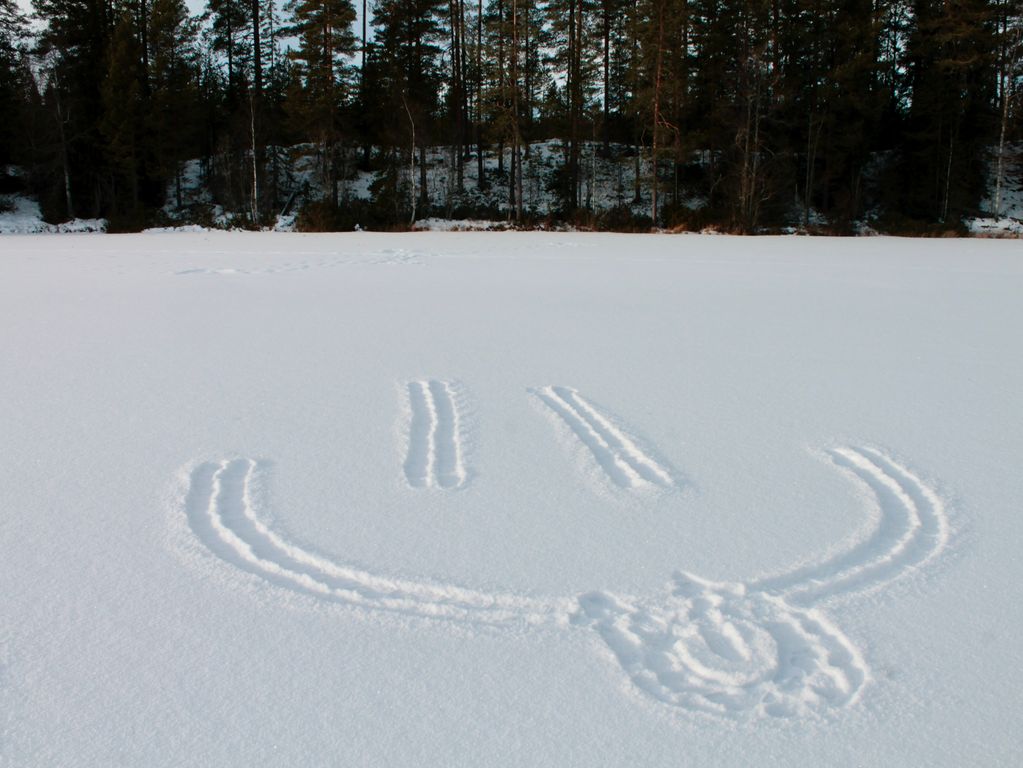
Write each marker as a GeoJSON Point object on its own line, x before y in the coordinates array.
{"type": "Point", "coordinates": [272, 269]}
{"type": "Point", "coordinates": [396, 256]}
{"type": "Point", "coordinates": [615, 452]}
{"type": "Point", "coordinates": [761, 648]}
{"type": "Point", "coordinates": [388, 256]}
{"type": "Point", "coordinates": [435, 457]}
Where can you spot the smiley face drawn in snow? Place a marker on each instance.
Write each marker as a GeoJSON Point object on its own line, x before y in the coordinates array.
{"type": "Point", "coordinates": [762, 648]}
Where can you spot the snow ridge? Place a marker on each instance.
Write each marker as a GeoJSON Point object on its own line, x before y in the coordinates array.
{"type": "Point", "coordinates": [222, 514]}
{"type": "Point", "coordinates": [910, 527]}
{"type": "Point", "coordinates": [722, 649]}
{"type": "Point", "coordinates": [617, 454]}
{"type": "Point", "coordinates": [435, 457]}
{"type": "Point", "coordinates": [761, 648]}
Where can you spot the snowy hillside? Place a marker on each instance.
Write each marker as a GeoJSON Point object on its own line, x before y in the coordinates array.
{"type": "Point", "coordinates": [510, 499]}
{"type": "Point", "coordinates": [606, 183]}
{"type": "Point", "coordinates": [612, 189]}
{"type": "Point", "coordinates": [1002, 206]}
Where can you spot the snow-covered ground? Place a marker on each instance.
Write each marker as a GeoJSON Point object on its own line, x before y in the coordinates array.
{"type": "Point", "coordinates": [606, 183]}
{"type": "Point", "coordinates": [1007, 220]}
{"type": "Point", "coordinates": [20, 215]}
{"type": "Point", "coordinates": [472, 499]}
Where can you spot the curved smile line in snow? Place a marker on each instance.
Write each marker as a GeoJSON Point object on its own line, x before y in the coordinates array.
{"type": "Point", "coordinates": [759, 648]}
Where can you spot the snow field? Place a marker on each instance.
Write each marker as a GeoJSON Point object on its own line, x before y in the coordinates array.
{"type": "Point", "coordinates": [510, 498]}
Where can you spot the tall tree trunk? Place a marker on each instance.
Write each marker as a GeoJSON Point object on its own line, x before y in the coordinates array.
{"type": "Point", "coordinates": [230, 61]}
{"type": "Point", "coordinates": [605, 128]}
{"type": "Point", "coordinates": [1006, 87]}
{"type": "Point", "coordinates": [947, 192]}
{"type": "Point", "coordinates": [413, 198]}
{"type": "Point", "coordinates": [464, 79]}
{"type": "Point", "coordinates": [68, 201]}
{"type": "Point", "coordinates": [515, 183]}
{"type": "Point", "coordinates": [424, 193]}
{"type": "Point", "coordinates": [570, 97]}
{"type": "Point", "coordinates": [575, 96]}
{"type": "Point", "coordinates": [528, 84]}
{"type": "Point", "coordinates": [481, 179]}
{"type": "Point", "coordinates": [143, 25]}
{"type": "Point", "coordinates": [454, 98]}
{"type": "Point", "coordinates": [657, 106]}
{"type": "Point", "coordinates": [637, 196]}
{"type": "Point", "coordinates": [255, 159]}
{"type": "Point", "coordinates": [812, 142]}
{"type": "Point", "coordinates": [255, 102]}
{"type": "Point", "coordinates": [500, 81]}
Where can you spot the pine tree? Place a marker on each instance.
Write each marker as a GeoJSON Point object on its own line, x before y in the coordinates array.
{"type": "Point", "coordinates": [1009, 30]}
{"type": "Point", "coordinates": [614, 63]}
{"type": "Point", "coordinates": [277, 68]}
{"type": "Point", "coordinates": [72, 50]}
{"type": "Point", "coordinates": [574, 56]}
{"type": "Point", "coordinates": [173, 75]}
{"type": "Point", "coordinates": [121, 123]}
{"type": "Point", "coordinates": [14, 84]}
{"type": "Point", "coordinates": [950, 121]}
{"type": "Point", "coordinates": [230, 25]}
{"type": "Point", "coordinates": [324, 30]}
{"type": "Point", "coordinates": [407, 55]}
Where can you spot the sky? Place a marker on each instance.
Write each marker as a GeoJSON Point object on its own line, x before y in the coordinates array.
{"type": "Point", "coordinates": [197, 6]}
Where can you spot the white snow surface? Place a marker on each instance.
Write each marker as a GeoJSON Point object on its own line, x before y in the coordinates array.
{"type": "Point", "coordinates": [24, 217]}
{"type": "Point", "coordinates": [1003, 227]}
{"type": "Point", "coordinates": [472, 499]}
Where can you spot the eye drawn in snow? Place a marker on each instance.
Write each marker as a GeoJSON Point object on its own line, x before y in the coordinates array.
{"type": "Point", "coordinates": [762, 648]}
{"type": "Point", "coordinates": [616, 453]}
{"type": "Point", "coordinates": [435, 457]}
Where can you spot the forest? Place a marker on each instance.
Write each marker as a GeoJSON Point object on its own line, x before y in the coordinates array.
{"type": "Point", "coordinates": [742, 115]}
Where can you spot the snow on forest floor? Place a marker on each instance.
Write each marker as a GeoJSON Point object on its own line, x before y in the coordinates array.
{"type": "Point", "coordinates": [20, 215]}
{"type": "Point", "coordinates": [608, 182]}
{"type": "Point", "coordinates": [510, 499]}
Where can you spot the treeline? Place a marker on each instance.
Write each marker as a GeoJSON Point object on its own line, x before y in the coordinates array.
{"type": "Point", "coordinates": [770, 112]}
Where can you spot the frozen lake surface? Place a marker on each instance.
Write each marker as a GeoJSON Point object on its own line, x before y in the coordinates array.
{"type": "Point", "coordinates": [513, 499]}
